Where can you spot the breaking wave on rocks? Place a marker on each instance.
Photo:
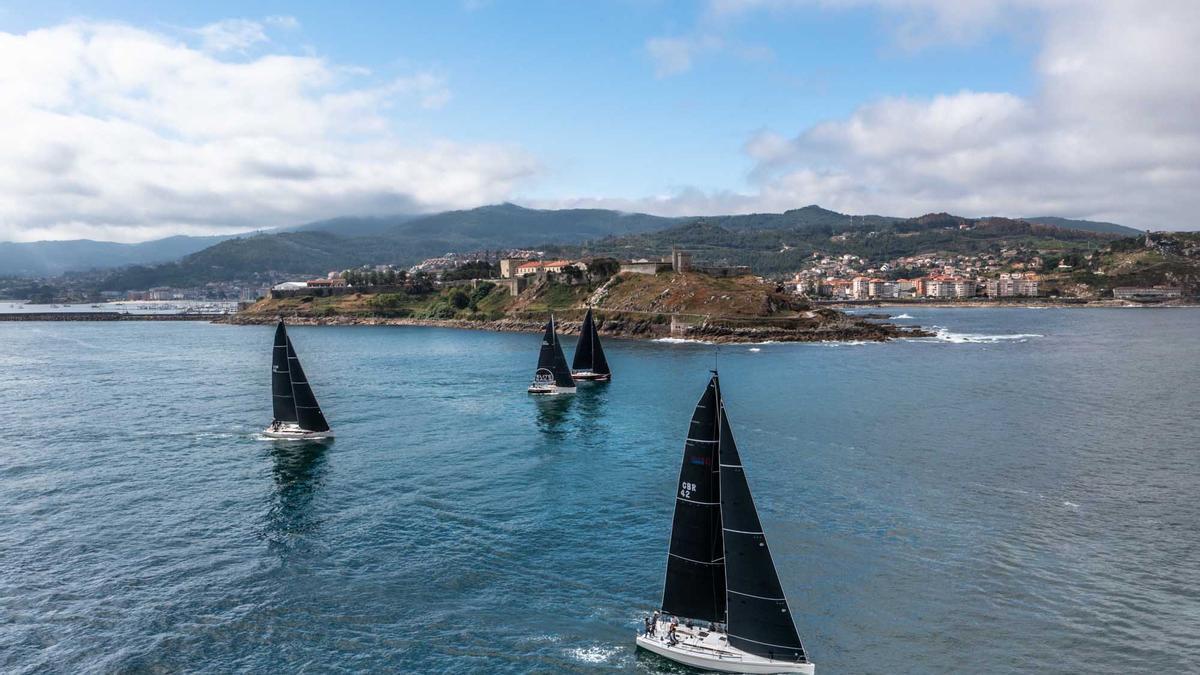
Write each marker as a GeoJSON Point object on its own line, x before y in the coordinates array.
{"type": "Point", "coordinates": [947, 335]}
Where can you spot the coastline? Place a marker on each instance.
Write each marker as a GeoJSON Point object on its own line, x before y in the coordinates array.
{"type": "Point", "coordinates": [1030, 304]}
{"type": "Point", "coordinates": [849, 329]}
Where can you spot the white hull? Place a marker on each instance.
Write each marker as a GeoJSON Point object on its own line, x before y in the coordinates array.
{"type": "Point", "coordinates": [291, 432]}
{"type": "Point", "coordinates": [589, 375]}
{"type": "Point", "coordinates": [710, 650]}
{"type": "Point", "coordinates": [550, 389]}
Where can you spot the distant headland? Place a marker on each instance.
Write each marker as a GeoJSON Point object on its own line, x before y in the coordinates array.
{"type": "Point", "coordinates": [645, 299]}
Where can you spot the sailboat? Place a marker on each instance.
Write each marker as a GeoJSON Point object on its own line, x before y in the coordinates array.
{"type": "Point", "coordinates": [552, 375]}
{"type": "Point", "coordinates": [723, 607]}
{"type": "Point", "coordinates": [297, 415]}
{"type": "Point", "coordinates": [589, 362]}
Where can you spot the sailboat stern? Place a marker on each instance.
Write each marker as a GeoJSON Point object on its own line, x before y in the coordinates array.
{"type": "Point", "coordinates": [710, 650]}
{"type": "Point", "coordinates": [293, 432]}
{"type": "Point", "coordinates": [589, 376]}
{"type": "Point", "coordinates": [544, 382]}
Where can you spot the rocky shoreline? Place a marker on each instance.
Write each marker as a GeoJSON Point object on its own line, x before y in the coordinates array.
{"type": "Point", "coordinates": [842, 329]}
{"type": "Point", "coordinates": [1030, 303]}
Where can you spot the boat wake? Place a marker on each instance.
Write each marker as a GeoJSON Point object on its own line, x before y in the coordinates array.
{"type": "Point", "coordinates": [594, 654]}
{"type": "Point", "coordinates": [681, 341]}
{"type": "Point", "coordinates": [947, 335]}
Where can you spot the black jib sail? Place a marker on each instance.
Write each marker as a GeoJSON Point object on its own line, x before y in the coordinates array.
{"type": "Point", "coordinates": [695, 585]}
{"type": "Point", "coordinates": [308, 413]}
{"type": "Point", "coordinates": [552, 364]}
{"type": "Point", "coordinates": [589, 355]}
{"type": "Point", "coordinates": [758, 619]}
{"type": "Point", "coordinates": [281, 382]}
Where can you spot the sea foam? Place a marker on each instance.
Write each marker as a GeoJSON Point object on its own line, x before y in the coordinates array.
{"type": "Point", "coordinates": [947, 335]}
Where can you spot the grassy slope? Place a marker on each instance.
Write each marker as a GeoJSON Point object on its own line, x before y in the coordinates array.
{"type": "Point", "coordinates": [661, 294]}
{"type": "Point", "coordinates": [698, 294]}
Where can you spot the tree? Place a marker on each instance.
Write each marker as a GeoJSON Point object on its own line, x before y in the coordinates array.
{"type": "Point", "coordinates": [459, 299]}
{"type": "Point", "coordinates": [602, 268]}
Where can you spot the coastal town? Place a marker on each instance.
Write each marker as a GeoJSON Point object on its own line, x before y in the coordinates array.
{"type": "Point", "coordinates": [1014, 273]}
{"type": "Point", "coordinates": [828, 279]}
{"type": "Point", "coordinates": [1009, 274]}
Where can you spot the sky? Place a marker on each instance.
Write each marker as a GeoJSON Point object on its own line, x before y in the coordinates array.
{"type": "Point", "coordinates": [129, 121]}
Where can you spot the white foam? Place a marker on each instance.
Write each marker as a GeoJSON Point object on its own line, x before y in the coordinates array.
{"type": "Point", "coordinates": [595, 654]}
{"type": "Point", "coordinates": [947, 335]}
{"type": "Point", "coordinates": [681, 341]}
{"type": "Point", "coordinates": [900, 316]}
{"type": "Point", "coordinates": [755, 349]}
{"type": "Point", "coordinates": [845, 343]}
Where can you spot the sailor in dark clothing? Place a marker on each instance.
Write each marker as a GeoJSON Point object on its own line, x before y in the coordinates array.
{"type": "Point", "coordinates": [649, 626]}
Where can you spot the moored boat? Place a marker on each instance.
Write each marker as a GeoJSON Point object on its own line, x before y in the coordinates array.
{"type": "Point", "coordinates": [297, 414]}
{"type": "Point", "coordinates": [552, 375]}
{"type": "Point", "coordinates": [589, 362]}
{"type": "Point", "coordinates": [723, 607]}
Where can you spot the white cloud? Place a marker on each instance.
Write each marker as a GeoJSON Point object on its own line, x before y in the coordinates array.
{"type": "Point", "coordinates": [1111, 133]}
{"type": "Point", "coordinates": [675, 55]}
{"type": "Point", "coordinates": [232, 35]}
{"type": "Point", "coordinates": [129, 134]}
{"type": "Point", "coordinates": [283, 21]}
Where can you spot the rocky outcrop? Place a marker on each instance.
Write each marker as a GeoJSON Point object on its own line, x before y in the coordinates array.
{"type": "Point", "coordinates": [841, 328]}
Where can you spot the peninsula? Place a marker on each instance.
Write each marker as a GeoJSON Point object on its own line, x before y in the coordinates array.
{"type": "Point", "coordinates": [689, 305]}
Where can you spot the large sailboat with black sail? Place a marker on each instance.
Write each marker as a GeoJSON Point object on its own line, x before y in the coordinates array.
{"type": "Point", "coordinates": [589, 363]}
{"type": "Point", "coordinates": [297, 414]}
{"type": "Point", "coordinates": [552, 375]}
{"type": "Point", "coordinates": [723, 607]}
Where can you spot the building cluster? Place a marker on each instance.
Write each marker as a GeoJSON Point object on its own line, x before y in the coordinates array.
{"type": "Point", "coordinates": [945, 276]}
{"type": "Point", "coordinates": [933, 286]}
{"type": "Point", "coordinates": [680, 262]}
{"type": "Point", "coordinates": [511, 268]}
{"type": "Point", "coordinates": [211, 291]}
{"type": "Point", "coordinates": [1151, 293]}
{"type": "Point", "coordinates": [452, 261]}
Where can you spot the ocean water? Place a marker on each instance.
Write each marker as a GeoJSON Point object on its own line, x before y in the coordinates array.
{"type": "Point", "coordinates": [1016, 495]}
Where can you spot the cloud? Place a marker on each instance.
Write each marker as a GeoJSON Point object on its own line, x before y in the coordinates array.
{"type": "Point", "coordinates": [674, 55]}
{"type": "Point", "coordinates": [232, 35]}
{"type": "Point", "coordinates": [129, 134]}
{"type": "Point", "coordinates": [1111, 132]}
{"type": "Point", "coordinates": [914, 24]}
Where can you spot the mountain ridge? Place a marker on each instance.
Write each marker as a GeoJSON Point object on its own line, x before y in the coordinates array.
{"type": "Point", "coordinates": [406, 238]}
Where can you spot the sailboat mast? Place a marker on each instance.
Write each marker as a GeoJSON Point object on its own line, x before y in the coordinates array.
{"type": "Point", "coordinates": [695, 578]}
{"type": "Point", "coordinates": [758, 619]}
{"type": "Point", "coordinates": [283, 401]}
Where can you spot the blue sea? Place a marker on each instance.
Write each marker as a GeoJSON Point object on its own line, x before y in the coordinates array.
{"type": "Point", "coordinates": [1019, 494]}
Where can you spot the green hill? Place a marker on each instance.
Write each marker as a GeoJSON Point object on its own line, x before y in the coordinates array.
{"type": "Point", "coordinates": [50, 258]}
{"type": "Point", "coordinates": [768, 242]}
{"type": "Point", "coordinates": [1086, 225]}
{"type": "Point", "coordinates": [779, 243]}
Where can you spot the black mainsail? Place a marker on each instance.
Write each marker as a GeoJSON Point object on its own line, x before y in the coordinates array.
{"type": "Point", "coordinates": [552, 363]}
{"type": "Point", "coordinates": [308, 414]}
{"type": "Point", "coordinates": [758, 619]}
{"type": "Point", "coordinates": [719, 567]}
{"type": "Point", "coordinates": [282, 400]}
{"type": "Point", "coordinates": [695, 584]}
{"type": "Point", "coordinates": [589, 355]}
